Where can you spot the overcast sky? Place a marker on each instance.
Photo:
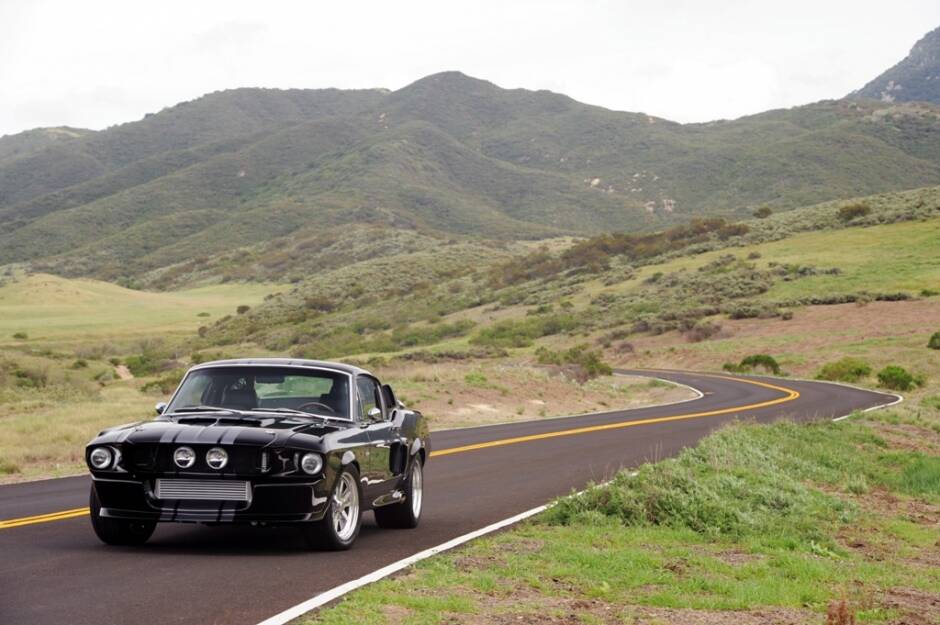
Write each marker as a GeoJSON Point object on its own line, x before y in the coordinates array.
{"type": "Point", "coordinates": [96, 63]}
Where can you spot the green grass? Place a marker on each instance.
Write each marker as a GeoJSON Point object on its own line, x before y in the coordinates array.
{"type": "Point", "coordinates": [53, 309]}
{"type": "Point", "coordinates": [753, 517]}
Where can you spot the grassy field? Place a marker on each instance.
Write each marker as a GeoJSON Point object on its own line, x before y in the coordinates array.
{"type": "Point", "coordinates": [893, 257]}
{"type": "Point", "coordinates": [58, 337]}
{"type": "Point", "coordinates": [757, 525]}
{"type": "Point", "coordinates": [52, 309]}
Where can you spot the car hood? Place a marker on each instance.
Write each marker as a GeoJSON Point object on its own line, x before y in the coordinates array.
{"type": "Point", "coordinates": [208, 429]}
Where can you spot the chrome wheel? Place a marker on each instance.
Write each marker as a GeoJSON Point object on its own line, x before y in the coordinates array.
{"type": "Point", "coordinates": [417, 479]}
{"type": "Point", "coordinates": [345, 507]}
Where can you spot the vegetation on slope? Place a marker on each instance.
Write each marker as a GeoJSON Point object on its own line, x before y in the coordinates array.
{"type": "Point", "coordinates": [448, 153]}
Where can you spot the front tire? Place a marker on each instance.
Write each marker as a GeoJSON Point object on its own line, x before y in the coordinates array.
{"type": "Point", "coordinates": [407, 514]}
{"type": "Point", "coordinates": [338, 529]}
{"type": "Point", "coordinates": [117, 531]}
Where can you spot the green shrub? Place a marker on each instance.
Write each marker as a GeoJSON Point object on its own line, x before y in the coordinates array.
{"type": "Point", "coordinates": [897, 378]}
{"type": "Point", "coordinates": [763, 212]}
{"type": "Point", "coordinates": [476, 379]}
{"type": "Point", "coordinates": [21, 336]}
{"type": "Point", "coordinates": [844, 370]}
{"type": "Point", "coordinates": [521, 333]}
{"type": "Point", "coordinates": [934, 342]}
{"type": "Point", "coordinates": [853, 211]}
{"type": "Point", "coordinates": [588, 362]}
{"type": "Point", "coordinates": [165, 384]}
{"type": "Point", "coordinates": [8, 467]}
{"type": "Point", "coordinates": [81, 363]}
{"type": "Point", "coordinates": [241, 310]}
{"type": "Point", "coordinates": [929, 293]}
{"type": "Point", "coordinates": [760, 360]}
{"type": "Point", "coordinates": [31, 378]}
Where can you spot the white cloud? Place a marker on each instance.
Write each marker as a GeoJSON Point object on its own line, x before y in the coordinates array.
{"type": "Point", "coordinates": [101, 62]}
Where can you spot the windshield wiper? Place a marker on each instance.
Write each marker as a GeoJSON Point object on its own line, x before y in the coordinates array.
{"type": "Point", "coordinates": [297, 412]}
{"type": "Point", "coordinates": [187, 409]}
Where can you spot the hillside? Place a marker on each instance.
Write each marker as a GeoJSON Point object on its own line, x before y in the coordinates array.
{"type": "Point", "coordinates": [476, 301]}
{"type": "Point", "coordinates": [914, 78]}
{"type": "Point", "coordinates": [448, 154]}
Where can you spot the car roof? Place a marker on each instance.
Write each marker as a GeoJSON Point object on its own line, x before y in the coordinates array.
{"type": "Point", "coordinates": [300, 363]}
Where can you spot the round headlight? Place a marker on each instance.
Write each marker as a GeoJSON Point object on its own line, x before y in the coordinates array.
{"type": "Point", "coordinates": [217, 458]}
{"type": "Point", "coordinates": [184, 457]}
{"type": "Point", "coordinates": [311, 463]}
{"type": "Point", "coordinates": [100, 457]}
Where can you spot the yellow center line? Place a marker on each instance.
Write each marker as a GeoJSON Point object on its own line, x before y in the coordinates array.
{"type": "Point", "coordinates": [789, 395]}
{"type": "Point", "coordinates": [43, 518]}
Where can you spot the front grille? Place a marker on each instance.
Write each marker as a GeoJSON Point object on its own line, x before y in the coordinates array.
{"type": "Point", "coordinates": [204, 490]}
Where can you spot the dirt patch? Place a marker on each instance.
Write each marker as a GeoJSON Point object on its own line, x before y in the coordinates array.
{"type": "Point", "coordinates": [764, 616]}
{"type": "Point", "coordinates": [395, 614]}
{"type": "Point", "coordinates": [908, 437]}
{"type": "Point", "coordinates": [815, 335]}
{"type": "Point", "coordinates": [123, 372]}
{"type": "Point", "coordinates": [917, 607]}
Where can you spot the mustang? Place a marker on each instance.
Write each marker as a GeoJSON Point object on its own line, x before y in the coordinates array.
{"type": "Point", "coordinates": [264, 441]}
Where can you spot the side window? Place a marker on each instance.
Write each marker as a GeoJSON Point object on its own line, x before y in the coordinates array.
{"type": "Point", "coordinates": [368, 396]}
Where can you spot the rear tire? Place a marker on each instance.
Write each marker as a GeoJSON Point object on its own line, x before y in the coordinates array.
{"type": "Point", "coordinates": [338, 529]}
{"type": "Point", "coordinates": [407, 514]}
{"type": "Point", "coordinates": [117, 531]}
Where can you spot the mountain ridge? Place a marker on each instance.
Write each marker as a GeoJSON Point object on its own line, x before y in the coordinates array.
{"type": "Point", "coordinates": [448, 153]}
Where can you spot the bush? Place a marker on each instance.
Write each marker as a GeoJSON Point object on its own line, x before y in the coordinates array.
{"type": "Point", "coordinates": [844, 370]}
{"type": "Point", "coordinates": [241, 310]}
{"type": "Point", "coordinates": [763, 212]}
{"type": "Point", "coordinates": [934, 342]}
{"type": "Point", "coordinates": [81, 363]}
{"type": "Point", "coordinates": [166, 384]}
{"type": "Point", "coordinates": [760, 360]}
{"type": "Point", "coordinates": [702, 331]}
{"type": "Point", "coordinates": [853, 211]}
{"type": "Point", "coordinates": [587, 363]}
{"type": "Point", "coordinates": [521, 333]}
{"type": "Point", "coordinates": [897, 378]}
{"type": "Point", "coordinates": [929, 293]}
{"type": "Point", "coordinates": [21, 336]}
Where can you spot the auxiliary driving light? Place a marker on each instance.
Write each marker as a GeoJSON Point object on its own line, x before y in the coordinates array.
{"type": "Point", "coordinates": [217, 458]}
{"type": "Point", "coordinates": [311, 463]}
{"type": "Point", "coordinates": [100, 458]}
{"type": "Point", "coordinates": [184, 457]}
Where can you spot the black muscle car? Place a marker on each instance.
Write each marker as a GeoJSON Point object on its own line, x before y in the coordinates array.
{"type": "Point", "coordinates": [264, 441]}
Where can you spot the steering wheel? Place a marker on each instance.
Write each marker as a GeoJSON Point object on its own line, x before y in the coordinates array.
{"type": "Point", "coordinates": [316, 403]}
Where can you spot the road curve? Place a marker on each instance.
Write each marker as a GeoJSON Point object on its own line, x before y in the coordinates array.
{"type": "Point", "coordinates": [56, 571]}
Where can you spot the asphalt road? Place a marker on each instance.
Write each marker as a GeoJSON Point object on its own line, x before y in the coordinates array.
{"type": "Point", "coordinates": [57, 572]}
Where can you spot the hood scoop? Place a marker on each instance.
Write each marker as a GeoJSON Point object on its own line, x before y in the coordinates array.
{"type": "Point", "coordinates": [220, 421]}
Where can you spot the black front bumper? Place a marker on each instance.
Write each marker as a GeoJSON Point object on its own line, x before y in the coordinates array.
{"type": "Point", "coordinates": [270, 502]}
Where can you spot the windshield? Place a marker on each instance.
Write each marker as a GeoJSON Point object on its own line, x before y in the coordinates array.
{"type": "Point", "coordinates": [279, 389]}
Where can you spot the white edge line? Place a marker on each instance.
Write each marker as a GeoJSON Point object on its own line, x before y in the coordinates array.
{"type": "Point", "coordinates": [335, 593]}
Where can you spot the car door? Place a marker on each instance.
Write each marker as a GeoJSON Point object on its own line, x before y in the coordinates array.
{"type": "Point", "coordinates": [376, 466]}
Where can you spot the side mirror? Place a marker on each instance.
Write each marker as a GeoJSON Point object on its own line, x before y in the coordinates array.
{"type": "Point", "coordinates": [389, 396]}
{"type": "Point", "coordinates": [160, 407]}
{"type": "Point", "coordinates": [375, 414]}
